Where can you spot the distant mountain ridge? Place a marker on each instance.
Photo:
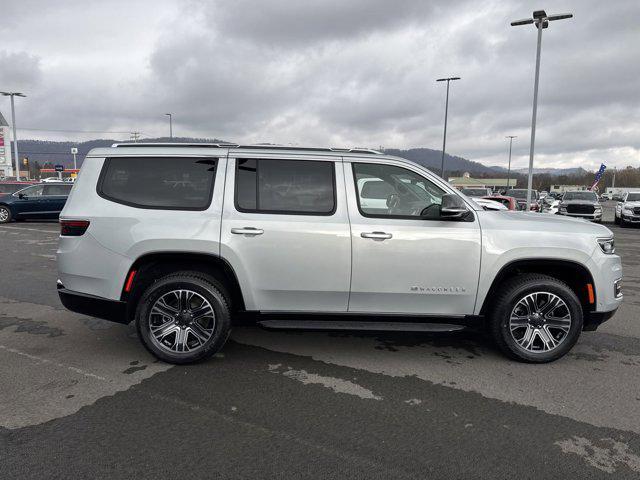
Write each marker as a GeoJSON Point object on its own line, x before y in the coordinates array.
{"type": "Point", "coordinates": [432, 159]}
{"type": "Point", "coordinates": [550, 171]}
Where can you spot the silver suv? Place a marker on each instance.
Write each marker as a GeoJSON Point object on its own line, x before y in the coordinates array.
{"type": "Point", "coordinates": [186, 240]}
{"type": "Point", "coordinates": [628, 210]}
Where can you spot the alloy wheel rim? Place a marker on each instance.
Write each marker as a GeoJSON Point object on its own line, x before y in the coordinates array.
{"type": "Point", "coordinates": [540, 322]}
{"type": "Point", "coordinates": [4, 214]}
{"type": "Point", "coordinates": [181, 321]}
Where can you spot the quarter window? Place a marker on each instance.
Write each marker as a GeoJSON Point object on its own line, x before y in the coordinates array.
{"type": "Point", "coordinates": [294, 187]}
{"type": "Point", "coordinates": [390, 191]}
{"type": "Point", "coordinates": [178, 183]}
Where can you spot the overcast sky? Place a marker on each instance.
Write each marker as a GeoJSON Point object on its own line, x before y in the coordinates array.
{"type": "Point", "coordinates": [331, 73]}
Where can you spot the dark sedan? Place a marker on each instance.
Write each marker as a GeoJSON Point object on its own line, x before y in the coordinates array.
{"type": "Point", "coordinates": [42, 201]}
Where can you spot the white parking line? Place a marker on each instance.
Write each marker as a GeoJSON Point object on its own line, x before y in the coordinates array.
{"type": "Point", "coordinates": [5, 227]}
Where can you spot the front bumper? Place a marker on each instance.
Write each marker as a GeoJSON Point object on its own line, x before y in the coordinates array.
{"type": "Point", "coordinates": [594, 217]}
{"type": "Point", "coordinates": [592, 320]}
{"type": "Point", "coordinates": [107, 309]}
{"type": "Point", "coordinates": [630, 218]}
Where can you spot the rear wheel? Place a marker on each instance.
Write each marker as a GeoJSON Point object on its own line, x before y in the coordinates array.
{"type": "Point", "coordinates": [5, 214]}
{"type": "Point", "coordinates": [536, 318]}
{"type": "Point", "coordinates": [184, 317]}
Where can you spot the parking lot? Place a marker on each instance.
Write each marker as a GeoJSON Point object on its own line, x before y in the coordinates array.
{"type": "Point", "coordinates": [81, 398]}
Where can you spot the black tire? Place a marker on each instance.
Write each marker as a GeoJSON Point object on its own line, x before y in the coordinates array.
{"type": "Point", "coordinates": [616, 219]}
{"type": "Point", "coordinates": [204, 286]}
{"type": "Point", "coordinates": [623, 222]}
{"type": "Point", "coordinates": [515, 289]}
{"type": "Point", "coordinates": [5, 214]}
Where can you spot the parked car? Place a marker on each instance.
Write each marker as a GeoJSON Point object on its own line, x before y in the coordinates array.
{"type": "Point", "coordinates": [549, 205]}
{"type": "Point", "coordinates": [508, 202]}
{"type": "Point", "coordinates": [41, 201]}
{"type": "Point", "coordinates": [628, 210]}
{"type": "Point", "coordinates": [476, 192]}
{"type": "Point", "coordinates": [520, 194]}
{"type": "Point", "coordinates": [51, 180]}
{"type": "Point", "coordinates": [488, 204]}
{"type": "Point", "coordinates": [582, 204]}
{"type": "Point", "coordinates": [605, 196]}
{"type": "Point", "coordinates": [9, 187]}
{"type": "Point", "coordinates": [283, 234]}
{"type": "Point", "coordinates": [617, 197]}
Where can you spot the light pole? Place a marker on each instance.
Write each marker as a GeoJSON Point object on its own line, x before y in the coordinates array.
{"type": "Point", "coordinates": [510, 137]}
{"type": "Point", "coordinates": [446, 113]}
{"type": "Point", "coordinates": [541, 21]}
{"type": "Point", "coordinates": [170, 126]}
{"type": "Point", "coordinates": [13, 124]}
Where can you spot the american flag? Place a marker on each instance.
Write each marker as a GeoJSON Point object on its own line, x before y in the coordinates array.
{"type": "Point", "coordinates": [603, 167]}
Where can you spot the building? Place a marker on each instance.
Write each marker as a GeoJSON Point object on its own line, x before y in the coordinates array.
{"type": "Point", "coordinates": [493, 183]}
{"type": "Point", "coordinates": [6, 165]}
{"type": "Point", "coordinates": [567, 188]}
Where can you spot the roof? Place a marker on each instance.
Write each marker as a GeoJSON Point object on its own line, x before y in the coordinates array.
{"type": "Point", "coordinates": [3, 121]}
{"type": "Point", "coordinates": [481, 182]}
{"type": "Point", "coordinates": [219, 149]}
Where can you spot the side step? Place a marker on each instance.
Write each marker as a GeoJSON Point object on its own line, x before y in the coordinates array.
{"type": "Point", "coordinates": [355, 325]}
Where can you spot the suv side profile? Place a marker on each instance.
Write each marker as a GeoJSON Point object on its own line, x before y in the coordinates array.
{"type": "Point", "coordinates": [185, 240]}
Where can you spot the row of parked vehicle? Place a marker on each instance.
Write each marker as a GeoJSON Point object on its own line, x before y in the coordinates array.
{"type": "Point", "coordinates": [22, 200]}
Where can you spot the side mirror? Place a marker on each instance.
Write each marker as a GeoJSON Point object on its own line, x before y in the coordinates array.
{"type": "Point", "coordinates": [453, 207]}
{"type": "Point", "coordinates": [22, 196]}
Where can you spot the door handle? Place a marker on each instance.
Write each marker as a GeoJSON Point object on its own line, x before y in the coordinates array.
{"type": "Point", "coordinates": [247, 231]}
{"type": "Point", "coordinates": [376, 235]}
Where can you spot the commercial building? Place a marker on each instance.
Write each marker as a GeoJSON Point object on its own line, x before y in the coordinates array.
{"type": "Point", "coordinates": [6, 164]}
{"type": "Point", "coordinates": [567, 188]}
{"type": "Point", "coordinates": [496, 184]}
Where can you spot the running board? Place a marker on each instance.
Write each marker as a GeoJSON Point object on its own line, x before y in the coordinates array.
{"type": "Point", "coordinates": [354, 325]}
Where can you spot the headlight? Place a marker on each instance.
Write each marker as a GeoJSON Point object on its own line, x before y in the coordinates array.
{"type": "Point", "coordinates": [627, 209]}
{"type": "Point", "coordinates": [598, 207]}
{"type": "Point", "coordinates": [607, 245]}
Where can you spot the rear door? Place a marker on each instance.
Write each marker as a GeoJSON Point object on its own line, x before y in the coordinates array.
{"type": "Point", "coordinates": [56, 196]}
{"type": "Point", "coordinates": [285, 232]}
{"type": "Point", "coordinates": [405, 258]}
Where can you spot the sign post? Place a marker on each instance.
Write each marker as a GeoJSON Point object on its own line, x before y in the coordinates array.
{"type": "Point", "coordinates": [59, 169]}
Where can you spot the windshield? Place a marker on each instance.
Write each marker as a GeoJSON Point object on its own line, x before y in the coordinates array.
{"type": "Point", "coordinates": [475, 192]}
{"type": "Point", "coordinates": [521, 193]}
{"type": "Point", "coordinates": [590, 196]}
{"type": "Point", "coordinates": [633, 197]}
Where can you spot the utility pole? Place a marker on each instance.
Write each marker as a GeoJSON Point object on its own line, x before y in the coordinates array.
{"type": "Point", "coordinates": [446, 113]}
{"type": "Point", "coordinates": [135, 136]}
{"type": "Point", "coordinates": [170, 125]}
{"type": "Point", "coordinates": [613, 183]}
{"type": "Point", "coordinates": [541, 21]}
{"type": "Point", "coordinates": [13, 124]}
{"type": "Point", "coordinates": [510, 137]}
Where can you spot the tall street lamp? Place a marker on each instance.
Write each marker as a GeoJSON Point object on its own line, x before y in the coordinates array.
{"type": "Point", "coordinates": [13, 123]}
{"type": "Point", "coordinates": [170, 125]}
{"type": "Point", "coordinates": [541, 21]}
{"type": "Point", "coordinates": [510, 137]}
{"type": "Point", "coordinates": [446, 112]}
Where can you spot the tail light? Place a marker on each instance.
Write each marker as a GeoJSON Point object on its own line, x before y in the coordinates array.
{"type": "Point", "coordinates": [73, 228]}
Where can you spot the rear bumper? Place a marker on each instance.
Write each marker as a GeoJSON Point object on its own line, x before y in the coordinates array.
{"type": "Point", "coordinates": [112, 310]}
{"type": "Point", "coordinates": [593, 320]}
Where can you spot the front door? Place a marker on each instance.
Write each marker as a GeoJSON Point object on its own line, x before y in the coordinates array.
{"type": "Point", "coordinates": [31, 202]}
{"type": "Point", "coordinates": [285, 232]}
{"type": "Point", "coordinates": [56, 196]}
{"type": "Point", "coordinates": [405, 258]}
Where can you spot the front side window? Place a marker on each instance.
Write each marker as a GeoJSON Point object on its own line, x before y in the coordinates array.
{"type": "Point", "coordinates": [390, 191]}
{"type": "Point", "coordinates": [633, 197]}
{"type": "Point", "coordinates": [178, 183]}
{"type": "Point", "coordinates": [35, 191]}
{"type": "Point", "coordinates": [294, 187]}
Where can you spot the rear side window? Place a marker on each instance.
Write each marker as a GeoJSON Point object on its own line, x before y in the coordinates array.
{"type": "Point", "coordinates": [295, 187]}
{"type": "Point", "coordinates": [173, 183]}
{"type": "Point", "coordinates": [57, 189]}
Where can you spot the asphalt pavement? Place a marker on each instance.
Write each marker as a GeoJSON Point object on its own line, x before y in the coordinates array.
{"type": "Point", "coordinates": [81, 398]}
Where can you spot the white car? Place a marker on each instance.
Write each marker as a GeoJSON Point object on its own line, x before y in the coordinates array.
{"type": "Point", "coordinates": [489, 204]}
{"type": "Point", "coordinates": [183, 238]}
{"type": "Point", "coordinates": [628, 210]}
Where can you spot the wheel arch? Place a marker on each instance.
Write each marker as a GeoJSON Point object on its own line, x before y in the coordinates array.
{"type": "Point", "coordinates": [152, 266]}
{"type": "Point", "coordinates": [573, 273]}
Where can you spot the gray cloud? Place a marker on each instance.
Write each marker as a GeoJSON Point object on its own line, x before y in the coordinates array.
{"type": "Point", "coordinates": [335, 72]}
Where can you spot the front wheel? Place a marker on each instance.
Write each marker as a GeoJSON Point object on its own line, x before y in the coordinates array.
{"type": "Point", "coordinates": [5, 214]}
{"type": "Point", "coordinates": [536, 318]}
{"type": "Point", "coordinates": [184, 317]}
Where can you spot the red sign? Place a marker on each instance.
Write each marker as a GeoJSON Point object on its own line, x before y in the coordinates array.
{"type": "Point", "coordinates": [1, 141]}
